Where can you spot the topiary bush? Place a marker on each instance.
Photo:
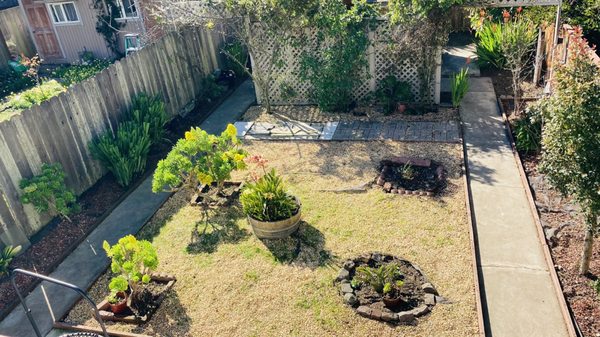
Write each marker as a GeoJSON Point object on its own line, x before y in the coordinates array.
{"type": "Point", "coordinates": [200, 158]}
{"type": "Point", "coordinates": [47, 192]}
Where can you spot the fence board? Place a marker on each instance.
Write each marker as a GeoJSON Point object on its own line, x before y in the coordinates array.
{"type": "Point", "coordinates": [60, 129]}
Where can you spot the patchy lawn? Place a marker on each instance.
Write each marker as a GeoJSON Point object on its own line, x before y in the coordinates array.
{"type": "Point", "coordinates": [242, 286]}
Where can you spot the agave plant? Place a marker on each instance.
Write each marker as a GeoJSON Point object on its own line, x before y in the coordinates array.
{"type": "Point", "coordinates": [6, 257]}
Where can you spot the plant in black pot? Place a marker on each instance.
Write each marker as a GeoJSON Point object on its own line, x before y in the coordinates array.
{"type": "Point", "coordinates": [393, 94]}
{"type": "Point", "coordinates": [272, 212]}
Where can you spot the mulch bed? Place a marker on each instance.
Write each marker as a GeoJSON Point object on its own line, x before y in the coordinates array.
{"type": "Point", "coordinates": [59, 238]}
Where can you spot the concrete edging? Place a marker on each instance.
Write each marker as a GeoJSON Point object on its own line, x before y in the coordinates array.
{"type": "Point", "coordinates": [569, 319]}
{"type": "Point", "coordinates": [473, 234]}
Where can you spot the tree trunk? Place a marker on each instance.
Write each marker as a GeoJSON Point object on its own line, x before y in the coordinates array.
{"type": "Point", "coordinates": [587, 245]}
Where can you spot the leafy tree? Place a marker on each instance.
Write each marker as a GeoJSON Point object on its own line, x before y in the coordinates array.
{"type": "Point", "coordinates": [47, 192]}
{"type": "Point", "coordinates": [585, 13]}
{"type": "Point", "coordinates": [200, 158]}
{"type": "Point", "coordinates": [571, 137]}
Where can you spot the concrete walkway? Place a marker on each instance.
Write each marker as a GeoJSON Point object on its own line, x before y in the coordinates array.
{"type": "Point", "coordinates": [518, 295]}
{"type": "Point", "coordinates": [88, 260]}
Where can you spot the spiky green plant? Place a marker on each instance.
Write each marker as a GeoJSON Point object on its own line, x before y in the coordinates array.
{"type": "Point", "coordinates": [267, 199]}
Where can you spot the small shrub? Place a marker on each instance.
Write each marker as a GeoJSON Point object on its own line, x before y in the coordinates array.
{"type": "Point", "coordinates": [391, 91]}
{"type": "Point", "coordinates": [123, 154]}
{"type": "Point", "coordinates": [200, 157]}
{"type": "Point", "coordinates": [210, 89]}
{"type": "Point", "coordinates": [489, 45]}
{"type": "Point", "coordinates": [12, 82]}
{"type": "Point", "coordinates": [150, 110]}
{"type": "Point", "coordinates": [47, 192]}
{"type": "Point", "coordinates": [408, 172]}
{"type": "Point", "coordinates": [377, 277]}
{"type": "Point", "coordinates": [36, 95]}
{"type": "Point", "coordinates": [76, 73]}
{"type": "Point", "coordinates": [6, 257]}
{"type": "Point", "coordinates": [266, 199]}
{"type": "Point", "coordinates": [132, 261]}
{"type": "Point", "coordinates": [237, 58]}
{"type": "Point", "coordinates": [460, 86]}
{"type": "Point", "coordinates": [595, 285]}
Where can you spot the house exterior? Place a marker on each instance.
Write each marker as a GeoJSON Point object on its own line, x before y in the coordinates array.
{"type": "Point", "coordinates": [64, 29]}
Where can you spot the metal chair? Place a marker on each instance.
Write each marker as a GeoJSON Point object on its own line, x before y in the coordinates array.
{"type": "Point", "coordinates": [62, 284]}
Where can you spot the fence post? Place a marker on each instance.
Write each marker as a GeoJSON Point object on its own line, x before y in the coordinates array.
{"type": "Point", "coordinates": [372, 62]}
{"type": "Point", "coordinates": [437, 88]}
{"type": "Point", "coordinates": [539, 57]}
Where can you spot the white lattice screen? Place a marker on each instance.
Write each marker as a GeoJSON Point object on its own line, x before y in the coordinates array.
{"type": "Point", "coordinates": [285, 77]}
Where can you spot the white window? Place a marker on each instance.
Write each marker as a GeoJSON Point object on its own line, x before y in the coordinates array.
{"type": "Point", "coordinates": [127, 9]}
{"type": "Point", "coordinates": [63, 12]}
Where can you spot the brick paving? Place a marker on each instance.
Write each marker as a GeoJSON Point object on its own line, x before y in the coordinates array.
{"type": "Point", "coordinates": [443, 132]}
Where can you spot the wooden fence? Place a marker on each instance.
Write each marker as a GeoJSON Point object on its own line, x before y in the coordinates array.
{"type": "Point", "coordinates": [15, 32]}
{"type": "Point", "coordinates": [59, 129]}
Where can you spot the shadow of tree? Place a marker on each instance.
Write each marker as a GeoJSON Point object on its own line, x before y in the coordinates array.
{"type": "Point", "coordinates": [171, 316]}
{"type": "Point", "coordinates": [221, 227]}
{"type": "Point", "coordinates": [305, 247]}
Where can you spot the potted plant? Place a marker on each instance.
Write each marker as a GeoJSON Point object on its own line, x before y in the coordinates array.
{"type": "Point", "coordinates": [393, 94]}
{"type": "Point", "coordinates": [118, 302]}
{"type": "Point", "coordinates": [132, 261]}
{"type": "Point", "coordinates": [386, 280]}
{"type": "Point", "coordinates": [272, 212]}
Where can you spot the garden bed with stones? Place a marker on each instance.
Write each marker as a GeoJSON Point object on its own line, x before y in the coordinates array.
{"type": "Point", "coordinates": [312, 114]}
{"type": "Point", "coordinates": [418, 295]}
{"type": "Point", "coordinates": [402, 175]}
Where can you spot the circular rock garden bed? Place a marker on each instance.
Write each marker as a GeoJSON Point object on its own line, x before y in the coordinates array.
{"type": "Point", "coordinates": [387, 288]}
{"type": "Point", "coordinates": [401, 175]}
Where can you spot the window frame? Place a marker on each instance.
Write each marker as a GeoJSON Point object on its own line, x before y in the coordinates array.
{"type": "Point", "coordinates": [51, 10]}
{"type": "Point", "coordinates": [124, 15]}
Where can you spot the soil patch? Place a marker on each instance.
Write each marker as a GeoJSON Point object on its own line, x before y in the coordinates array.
{"type": "Point", "coordinates": [411, 176]}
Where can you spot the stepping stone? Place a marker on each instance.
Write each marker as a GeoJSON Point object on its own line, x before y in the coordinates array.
{"type": "Point", "coordinates": [242, 128]}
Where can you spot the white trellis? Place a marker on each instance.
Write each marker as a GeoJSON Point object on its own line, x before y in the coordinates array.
{"type": "Point", "coordinates": [285, 77]}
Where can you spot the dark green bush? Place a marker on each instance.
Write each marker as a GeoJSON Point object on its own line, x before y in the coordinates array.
{"type": "Point", "coordinates": [237, 58]}
{"type": "Point", "coordinates": [76, 73]}
{"type": "Point", "coordinates": [47, 192]}
{"type": "Point", "coordinates": [489, 46]}
{"type": "Point", "coordinates": [210, 89]}
{"type": "Point", "coordinates": [151, 110]}
{"type": "Point", "coordinates": [392, 91]}
{"type": "Point", "coordinates": [125, 153]}
{"type": "Point", "coordinates": [528, 129]}
{"type": "Point", "coordinates": [11, 82]}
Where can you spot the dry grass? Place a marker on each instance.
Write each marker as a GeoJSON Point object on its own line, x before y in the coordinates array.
{"type": "Point", "coordinates": [246, 287]}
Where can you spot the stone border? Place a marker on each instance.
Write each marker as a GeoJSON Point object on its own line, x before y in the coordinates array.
{"type": "Point", "coordinates": [407, 317]}
{"type": "Point", "coordinates": [389, 187]}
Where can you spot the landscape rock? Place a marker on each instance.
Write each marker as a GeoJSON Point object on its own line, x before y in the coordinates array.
{"type": "Point", "coordinates": [442, 300]}
{"type": "Point", "coordinates": [389, 316]}
{"type": "Point", "coordinates": [350, 299]}
{"type": "Point", "coordinates": [349, 265]}
{"type": "Point", "coordinates": [364, 310]}
{"type": "Point", "coordinates": [344, 274]}
{"type": "Point", "coordinates": [420, 310]}
{"type": "Point", "coordinates": [429, 288]}
{"type": "Point", "coordinates": [387, 187]}
{"type": "Point", "coordinates": [405, 317]}
{"type": "Point", "coordinates": [430, 299]}
{"type": "Point", "coordinates": [346, 288]}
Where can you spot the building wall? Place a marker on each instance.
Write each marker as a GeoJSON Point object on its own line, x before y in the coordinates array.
{"type": "Point", "coordinates": [82, 36]}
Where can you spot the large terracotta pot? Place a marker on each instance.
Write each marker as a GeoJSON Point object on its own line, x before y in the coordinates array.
{"type": "Point", "coordinates": [276, 229]}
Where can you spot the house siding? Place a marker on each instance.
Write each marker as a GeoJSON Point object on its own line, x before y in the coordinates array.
{"type": "Point", "coordinates": [82, 36]}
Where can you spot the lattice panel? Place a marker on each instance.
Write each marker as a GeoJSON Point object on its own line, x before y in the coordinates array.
{"type": "Point", "coordinates": [285, 77]}
{"type": "Point", "coordinates": [511, 3]}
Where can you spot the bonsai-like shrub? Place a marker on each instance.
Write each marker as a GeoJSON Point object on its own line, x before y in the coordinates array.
{"type": "Point", "coordinates": [391, 91]}
{"type": "Point", "coordinates": [125, 153]}
{"type": "Point", "coordinates": [459, 86]}
{"type": "Point", "coordinates": [200, 158]}
{"type": "Point", "coordinates": [132, 261]}
{"type": "Point", "coordinates": [151, 110]}
{"type": "Point", "coordinates": [266, 199]}
{"type": "Point", "coordinates": [47, 192]}
{"type": "Point", "coordinates": [6, 257]}
{"type": "Point", "coordinates": [380, 278]}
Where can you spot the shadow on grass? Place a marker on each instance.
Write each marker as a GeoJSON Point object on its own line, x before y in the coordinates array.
{"type": "Point", "coordinates": [220, 228]}
{"type": "Point", "coordinates": [305, 247]}
{"type": "Point", "coordinates": [171, 318]}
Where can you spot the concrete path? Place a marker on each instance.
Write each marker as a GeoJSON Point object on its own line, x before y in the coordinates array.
{"type": "Point", "coordinates": [518, 295]}
{"type": "Point", "coordinates": [88, 260]}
